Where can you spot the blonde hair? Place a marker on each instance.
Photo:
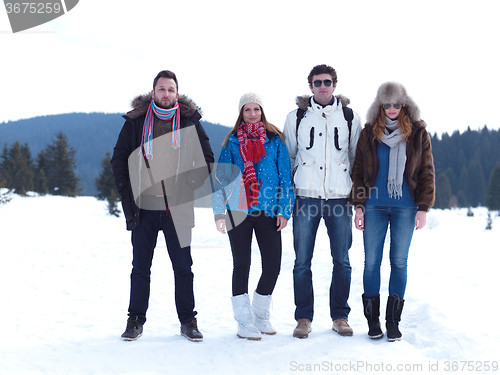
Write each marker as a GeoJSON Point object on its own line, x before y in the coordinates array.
{"type": "Point", "coordinates": [404, 123]}
{"type": "Point", "coordinates": [267, 125]}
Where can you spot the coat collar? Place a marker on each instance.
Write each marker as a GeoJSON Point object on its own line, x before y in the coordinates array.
{"type": "Point", "coordinates": [140, 105]}
{"type": "Point", "coordinates": [306, 102]}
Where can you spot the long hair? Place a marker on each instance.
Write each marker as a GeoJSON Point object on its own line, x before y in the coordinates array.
{"type": "Point", "coordinates": [272, 128]}
{"type": "Point", "coordinates": [404, 123]}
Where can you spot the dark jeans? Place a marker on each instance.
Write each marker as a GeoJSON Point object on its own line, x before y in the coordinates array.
{"type": "Point", "coordinates": [144, 239]}
{"type": "Point", "coordinates": [337, 215]}
{"type": "Point", "coordinates": [269, 240]}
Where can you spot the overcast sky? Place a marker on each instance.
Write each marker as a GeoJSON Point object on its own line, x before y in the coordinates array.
{"type": "Point", "coordinates": [101, 54]}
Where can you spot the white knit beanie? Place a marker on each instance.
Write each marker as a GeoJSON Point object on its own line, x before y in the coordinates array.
{"type": "Point", "coordinates": [250, 97]}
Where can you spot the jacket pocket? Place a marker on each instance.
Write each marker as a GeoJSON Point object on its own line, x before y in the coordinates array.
{"type": "Point", "coordinates": [304, 171]}
{"type": "Point", "coordinates": [340, 182]}
{"type": "Point", "coordinates": [311, 139]}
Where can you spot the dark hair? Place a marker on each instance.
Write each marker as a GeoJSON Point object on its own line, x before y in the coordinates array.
{"type": "Point", "coordinates": [322, 69]}
{"type": "Point", "coordinates": [166, 74]}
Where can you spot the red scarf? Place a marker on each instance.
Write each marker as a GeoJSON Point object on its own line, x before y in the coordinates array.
{"type": "Point", "coordinates": [251, 138]}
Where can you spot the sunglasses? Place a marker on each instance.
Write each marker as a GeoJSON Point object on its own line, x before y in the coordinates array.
{"type": "Point", "coordinates": [327, 82]}
{"type": "Point", "coordinates": [388, 105]}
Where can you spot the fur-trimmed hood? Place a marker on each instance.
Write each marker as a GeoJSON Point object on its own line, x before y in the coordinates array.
{"type": "Point", "coordinates": [392, 92]}
{"type": "Point", "coordinates": [304, 101]}
{"type": "Point", "coordinates": [140, 105]}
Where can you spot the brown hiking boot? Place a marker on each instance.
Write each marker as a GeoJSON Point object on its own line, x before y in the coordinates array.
{"type": "Point", "coordinates": [303, 328]}
{"type": "Point", "coordinates": [341, 327]}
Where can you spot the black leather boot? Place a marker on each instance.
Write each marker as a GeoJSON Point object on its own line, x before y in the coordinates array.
{"type": "Point", "coordinates": [393, 317]}
{"type": "Point", "coordinates": [133, 330]}
{"type": "Point", "coordinates": [190, 331]}
{"type": "Point", "coordinates": [371, 308]}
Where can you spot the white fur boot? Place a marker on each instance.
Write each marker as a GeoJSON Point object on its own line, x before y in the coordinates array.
{"type": "Point", "coordinates": [261, 309]}
{"type": "Point", "coordinates": [244, 316]}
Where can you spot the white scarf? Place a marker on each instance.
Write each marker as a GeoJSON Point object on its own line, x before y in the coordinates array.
{"type": "Point", "coordinates": [397, 157]}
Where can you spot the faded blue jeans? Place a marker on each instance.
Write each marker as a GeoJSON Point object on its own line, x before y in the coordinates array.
{"type": "Point", "coordinates": [337, 215]}
{"type": "Point", "coordinates": [401, 221]}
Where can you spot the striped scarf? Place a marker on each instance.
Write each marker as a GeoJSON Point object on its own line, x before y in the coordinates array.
{"type": "Point", "coordinates": [165, 115]}
{"type": "Point", "coordinates": [251, 138]}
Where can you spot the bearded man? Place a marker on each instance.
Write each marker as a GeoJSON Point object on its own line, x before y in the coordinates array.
{"type": "Point", "coordinates": [161, 157]}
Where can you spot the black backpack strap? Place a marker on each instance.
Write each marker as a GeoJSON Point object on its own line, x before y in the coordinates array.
{"type": "Point", "coordinates": [300, 116]}
{"type": "Point", "coordinates": [349, 116]}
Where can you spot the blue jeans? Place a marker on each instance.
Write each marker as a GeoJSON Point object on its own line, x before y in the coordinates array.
{"type": "Point", "coordinates": [144, 238]}
{"type": "Point", "coordinates": [402, 223]}
{"type": "Point", "coordinates": [337, 215]}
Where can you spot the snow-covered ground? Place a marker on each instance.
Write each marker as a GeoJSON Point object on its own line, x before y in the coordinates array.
{"type": "Point", "coordinates": [64, 288]}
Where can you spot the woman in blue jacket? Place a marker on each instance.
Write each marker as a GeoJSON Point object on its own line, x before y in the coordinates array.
{"type": "Point", "coordinates": [254, 195]}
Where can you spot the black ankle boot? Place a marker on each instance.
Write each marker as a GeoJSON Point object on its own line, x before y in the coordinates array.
{"type": "Point", "coordinates": [371, 307]}
{"type": "Point", "coordinates": [393, 317]}
{"type": "Point", "coordinates": [190, 331]}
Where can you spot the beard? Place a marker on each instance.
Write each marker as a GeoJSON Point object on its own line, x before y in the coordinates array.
{"type": "Point", "coordinates": [164, 105]}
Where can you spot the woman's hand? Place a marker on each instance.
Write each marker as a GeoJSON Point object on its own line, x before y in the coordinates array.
{"type": "Point", "coordinates": [420, 219]}
{"type": "Point", "coordinates": [221, 225]}
{"type": "Point", "coordinates": [281, 222]}
{"type": "Point", "coordinates": [359, 219]}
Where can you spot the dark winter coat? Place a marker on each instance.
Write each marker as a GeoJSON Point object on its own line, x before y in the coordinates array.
{"type": "Point", "coordinates": [419, 168]}
{"type": "Point", "coordinates": [130, 139]}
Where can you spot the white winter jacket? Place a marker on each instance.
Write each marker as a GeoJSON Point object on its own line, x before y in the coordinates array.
{"type": "Point", "coordinates": [321, 158]}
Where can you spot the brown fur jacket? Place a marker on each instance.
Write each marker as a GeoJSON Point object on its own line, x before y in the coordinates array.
{"type": "Point", "coordinates": [419, 169]}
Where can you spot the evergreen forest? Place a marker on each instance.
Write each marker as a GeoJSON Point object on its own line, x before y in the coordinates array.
{"type": "Point", "coordinates": [69, 155]}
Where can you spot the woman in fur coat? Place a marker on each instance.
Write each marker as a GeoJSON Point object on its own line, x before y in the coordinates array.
{"type": "Point", "coordinates": [393, 186]}
{"type": "Point", "coordinates": [254, 195]}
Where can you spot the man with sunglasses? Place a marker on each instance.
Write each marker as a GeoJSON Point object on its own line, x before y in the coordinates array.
{"type": "Point", "coordinates": [322, 144]}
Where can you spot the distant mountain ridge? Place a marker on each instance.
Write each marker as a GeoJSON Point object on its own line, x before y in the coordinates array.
{"type": "Point", "coordinates": [464, 161]}
{"type": "Point", "coordinates": [90, 134]}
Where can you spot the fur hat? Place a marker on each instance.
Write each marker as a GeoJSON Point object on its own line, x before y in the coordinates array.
{"type": "Point", "coordinates": [392, 92]}
{"type": "Point", "coordinates": [250, 97]}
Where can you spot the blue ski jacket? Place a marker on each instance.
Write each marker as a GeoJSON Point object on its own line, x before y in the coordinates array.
{"type": "Point", "coordinates": [276, 196]}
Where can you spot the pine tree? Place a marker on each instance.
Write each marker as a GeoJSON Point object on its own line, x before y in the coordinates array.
{"type": "Point", "coordinates": [463, 200]}
{"type": "Point", "coordinates": [113, 200]}
{"type": "Point", "coordinates": [476, 186]}
{"type": "Point", "coordinates": [105, 183]}
{"type": "Point", "coordinates": [17, 167]}
{"type": "Point", "coordinates": [443, 192]}
{"type": "Point", "coordinates": [4, 166]}
{"type": "Point", "coordinates": [40, 182]}
{"type": "Point", "coordinates": [493, 194]}
{"type": "Point", "coordinates": [452, 177]}
{"type": "Point", "coordinates": [61, 162]}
